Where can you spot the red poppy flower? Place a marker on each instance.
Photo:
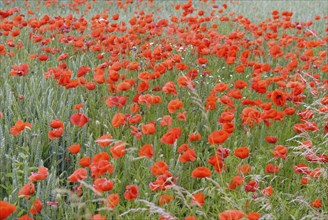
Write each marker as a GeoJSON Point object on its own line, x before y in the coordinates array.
{"type": "Point", "coordinates": [253, 216]}
{"type": "Point", "coordinates": [82, 71]}
{"type": "Point", "coordinates": [194, 137]}
{"type": "Point", "coordinates": [136, 132]}
{"type": "Point", "coordinates": [236, 181]}
{"type": "Point", "coordinates": [58, 128]}
{"type": "Point", "coordinates": [164, 199]}
{"type": "Point", "coordinates": [220, 87]}
{"type": "Point", "coordinates": [98, 217]}
{"type": "Point", "coordinates": [19, 126]}
{"type": "Point", "coordinates": [301, 169]}
{"type": "Point", "coordinates": [37, 207]}
{"type": "Point", "coordinates": [198, 199]}
{"type": "Point", "coordinates": [43, 57]}
{"type": "Point", "coordinates": [20, 70]}
{"type": "Point", "coordinates": [251, 186]}
{"type": "Point", "coordinates": [143, 86]}
{"type": "Point", "coordinates": [63, 57]}
{"type": "Point", "coordinates": [118, 150]}
{"type": "Point", "coordinates": [228, 127]}
{"type": "Point", "coordinates": [27, 190]}
{"type": "Point", "coordinates": [146, 151]}
{"type": "Point", "coordinates": [163, 182]}
{"type": "Point", "coordinates": [40, 175]}
{"type": "Point", "coordinates": [159, 168]}
{"type": "Point", "coordinates": [226, 117]}
{"type": "Point", "coordinates": [244, 169]}
{"type": "Point", "coordinates": [240, 84]}
{"type": "Point", "coordinates": [174, 105]}
{"type": "Point", "coordinates": [25, 217]}
{"type": "Point", "coordinates": [55, 133]}
{"type": "Point", "coordinates": [242, 152]}
{"type": "Point", "coordinates": [316, 203]}
{"type": "Point", "coordinates": [166, 121]}
{"type": "Point", "coordinates": [118, 101]}
{"type": "Point", "coordinates": [118, 120]}
{"type": "Point", "coordinates": [316, 173]}
{"type": "Point", "coordinates": [6, 209]}
{"type": "Point", "coordinates": [85, 161]}
{"type": "Point", "coordinates": [133, 66]}
{"type": "Point", "coordinates": [131, 192]}
{"type": "Point", "coordinates": [250, 116]}
{"type": "Point", "coordinates": [74, 149]}
{"type": "Point", "coordinates": [103, 185]}
{"type": "Point", "coordinates": [148, 128]}
{"type": "Point", "coordinates": [190, 217]}
{"type": "Point", "coordinates": [182, 116]}
{"type": "Point", "coordinates": [218, 137]}
{"type": "Point", "coordinates": [231, 215]}
{"type": "Point", "coordinates": [171, 136]}
{"type": "Point", "coordinates": [112, 200]}
{"type": "Point", "coordinates": [271, 139]}
{"type": "Point", "coordinates": [202, 60]}
{"type": "Point", "coordinates": [305, 180]}
{"type": "Point", "coordinates": [104, 140]}
{"type": "Point", "coordinates": [240, 68]}
{"type": "Point", "coordinates": [267, 191]}
{"type": "Point", "coordinates": [79, 174]}
{"type": "Point", "coordinates": [169, 88]}
{"type": "Point", "coordinates": [236, 94]}
{"type": "Point", "coordinates": [280, 152]}
{"type": "Point", "coordinates": [123, 86]}
{"type": "Point", "coordinates": [78, 106]}
{"type": "Point", "coordinates": [188, 155]}
{"type": "Point", "coordinates": [79, 119]}
{"type": "Point", "coordinates": [211, 102]}
{"type": "Point", "coordinates": [183, 148]}
{"type": "Point", "coordinates": [223, 152]}
{"type": "Point", "coordinates": [201, 172]}
{"type": "Point", "coordinates": [278, 97]}
{"type": "Point", "coordinates": [100, 165]}
{"type": "Point", "coordinates": [181, 66]}
{"type": "Point", "coordinates": [270, 168]}
{"type": "Point", "coordinates": [135, 119]}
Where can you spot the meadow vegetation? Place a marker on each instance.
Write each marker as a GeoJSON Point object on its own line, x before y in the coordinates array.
{"type": "Point", "coordinates": [132, 109]}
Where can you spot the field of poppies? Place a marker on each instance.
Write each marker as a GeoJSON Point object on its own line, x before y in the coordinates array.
{"type": "Point", "coordinates": [145, 109]}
